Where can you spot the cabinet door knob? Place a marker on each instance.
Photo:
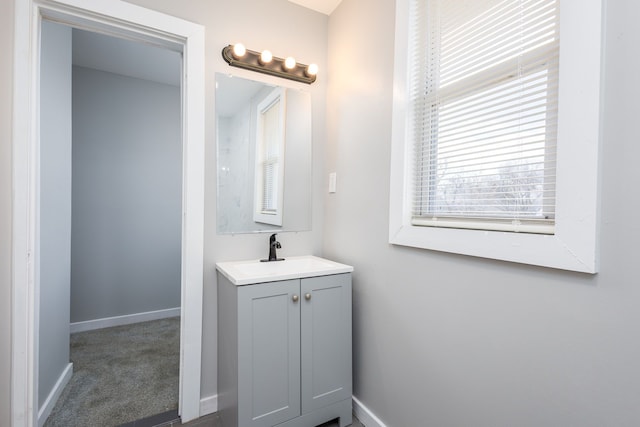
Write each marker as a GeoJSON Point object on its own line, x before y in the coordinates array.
{"type": "Point", "coordinates": [295, 298]}
{"type": "Point", "coordinates": [307, 296]}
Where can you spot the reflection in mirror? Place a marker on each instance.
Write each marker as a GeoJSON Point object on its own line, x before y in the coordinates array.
{"type": "Point", "coordinates": [264, 157]}
{"type": "Point", "coordinates": [267, 202]}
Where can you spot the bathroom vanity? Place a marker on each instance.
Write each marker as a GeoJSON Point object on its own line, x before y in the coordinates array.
{"type": "Point", "coordinates": [284, 342]}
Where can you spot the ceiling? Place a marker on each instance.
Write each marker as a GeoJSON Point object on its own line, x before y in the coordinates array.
{"type": "Point", "coordinates": [322, 6]}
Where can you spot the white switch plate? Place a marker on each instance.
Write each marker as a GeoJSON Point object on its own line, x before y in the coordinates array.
{"type": "Point", "coordinates": [332, 182]}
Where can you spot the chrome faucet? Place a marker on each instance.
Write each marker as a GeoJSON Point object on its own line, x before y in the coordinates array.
{"type": "Point", "coordinates": [273, 245]}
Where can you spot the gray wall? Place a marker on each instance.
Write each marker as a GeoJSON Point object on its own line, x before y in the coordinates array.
{"type": "Point", "coordinates": [55, 205]}
{"type": "Point", "coordinates": [300, 33]}
{"type": "Point", "coordinates": [6, 88]}
{"type": "Point", "coordinates": [127, 195]}
{"type": "Point", "coordinates": [447, 340]}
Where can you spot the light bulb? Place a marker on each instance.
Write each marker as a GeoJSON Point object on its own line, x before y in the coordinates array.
{"type": "Point", "coordinates": [265, 57]}
{"type": "Point", "coordinates": [239, 50]}
{"type": "Point", "coordinates": [290, 63]}
{"type": "Point", "coordinates": [312, 70]}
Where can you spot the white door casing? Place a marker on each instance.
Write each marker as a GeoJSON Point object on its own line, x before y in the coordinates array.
{"type": "Point", "coordinates": [126, 20]}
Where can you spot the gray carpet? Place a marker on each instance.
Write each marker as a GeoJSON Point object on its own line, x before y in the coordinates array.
{"type": "Point", "coordinates": [121, 374]}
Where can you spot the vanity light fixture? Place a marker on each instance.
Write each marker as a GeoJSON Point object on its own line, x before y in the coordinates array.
{"type": "Point", "coordinates": [238, 56]}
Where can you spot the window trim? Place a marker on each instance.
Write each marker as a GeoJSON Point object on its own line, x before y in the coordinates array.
{"type": "Point", "coordinates": [574, 246]}
{"type": "Point", "coordinates": [277, 95]}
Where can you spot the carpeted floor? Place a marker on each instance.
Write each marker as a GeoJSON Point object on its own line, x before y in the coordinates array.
{"type": "Point", "coordinates": [121, 374]}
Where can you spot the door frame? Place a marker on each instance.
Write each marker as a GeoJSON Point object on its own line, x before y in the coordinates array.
{"type": "Point", "coordinates": [113, 17]}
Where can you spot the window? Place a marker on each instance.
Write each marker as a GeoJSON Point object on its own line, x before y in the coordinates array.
{"type": "Point", "coordinates": [270, 136]}
{"type": "Point", "coordinates": [496, 109]}
{"type": "Point", "coordinates": [484, 79]}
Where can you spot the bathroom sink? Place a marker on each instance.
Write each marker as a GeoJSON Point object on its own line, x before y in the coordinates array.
{"type": "Point", "coordinates": [254, 271]}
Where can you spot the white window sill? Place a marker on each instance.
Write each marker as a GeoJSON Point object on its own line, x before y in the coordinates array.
{"type": "Point", "coordinates": [535, 249]}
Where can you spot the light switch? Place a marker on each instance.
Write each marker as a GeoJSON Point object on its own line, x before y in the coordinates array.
{"type": "Point", "coordinates": [332, 182]}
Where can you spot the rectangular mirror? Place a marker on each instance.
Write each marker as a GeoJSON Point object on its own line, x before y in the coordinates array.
{"type": "Point", "coordinates": [264, 157]}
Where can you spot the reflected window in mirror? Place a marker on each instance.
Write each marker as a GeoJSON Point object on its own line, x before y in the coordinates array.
{"type": "Point", "coordinates": [270, 148]}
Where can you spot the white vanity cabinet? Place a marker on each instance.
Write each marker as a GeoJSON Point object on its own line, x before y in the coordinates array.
{"type": "Point", "coordinates": [284, 351]}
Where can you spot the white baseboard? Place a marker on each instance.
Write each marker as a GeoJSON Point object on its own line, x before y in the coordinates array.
{"type": "Point", "coordinates": [128, 319]}
{"type": "Point", "coordinates": [365, 416]}
{"type": "Point", "coordinates": [208, 405]}
{"type": "Point", "coordinates": [50, 402]}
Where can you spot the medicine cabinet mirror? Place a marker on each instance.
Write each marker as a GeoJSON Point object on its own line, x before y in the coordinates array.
{"type": "Point", "coordinates": [263, 155]}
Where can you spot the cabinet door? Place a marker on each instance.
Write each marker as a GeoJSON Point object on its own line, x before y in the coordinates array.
{"type": "Point", "coordinates": [268, 353]}
{"type": "Point", "coordinates": [326, 340]}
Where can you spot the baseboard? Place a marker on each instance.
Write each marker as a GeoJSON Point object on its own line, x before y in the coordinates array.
{"type": "Point", "coordinates": [128, 319]}
{"type": "Point", "coordinates": [208, 405]}
{"type": "Point", "coordinates": [50, 402]}
{"type": "Point", "coordinates": [365, 416]}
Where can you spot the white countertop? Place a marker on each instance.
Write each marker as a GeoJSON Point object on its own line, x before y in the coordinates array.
{"type": "Point", "coordinates": [253, 271]}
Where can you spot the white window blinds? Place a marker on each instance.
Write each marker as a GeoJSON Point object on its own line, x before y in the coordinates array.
{"type": "Point", "coordinates": [484, 100]}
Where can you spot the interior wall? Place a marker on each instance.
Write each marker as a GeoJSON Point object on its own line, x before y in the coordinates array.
{"type": "Point", "coordinates": [285, 29]}
{"type": "Point", "coordinates": [55, 205]}
{"type": "Point", "coordinates": [6, 98]}
{"type": "Point", "coordinates": [449, 340]}
{"type": "Point", "coordinates": [127, 196]}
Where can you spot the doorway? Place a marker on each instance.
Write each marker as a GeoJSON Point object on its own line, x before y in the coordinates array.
{"type": "Point", "coordinates": [135, 23]}
{"type": "Point", "coordinates": [110, 227]}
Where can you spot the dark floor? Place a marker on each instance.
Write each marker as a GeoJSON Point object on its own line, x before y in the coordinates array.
{"type": "Point", "coordinates": [214, 421]}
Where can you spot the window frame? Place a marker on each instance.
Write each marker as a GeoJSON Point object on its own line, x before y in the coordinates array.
{"type": "Point", "coordinates": [277, 95]}
{"type": "Point", "coordinates": [574, 246]}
